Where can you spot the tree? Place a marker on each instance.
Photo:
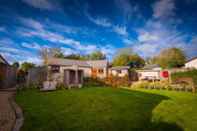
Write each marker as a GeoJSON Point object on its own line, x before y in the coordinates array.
{"type": "Point", "coordinates": [96, 55]}
{"type": "Point", "coordinates": [74, 56]}
{"type": "Point", "coordinates": [132, 60]}
{"type": "Point", "coordinates": [16, 65]}
{"type": "Point", "coordinates": [135, 61]}
{"type": "Point", "coordinates": [121, 60]}
{"type": "Point", "coordinates": [170, 58]}
{"type": "Point", "coordinates": [26, 66]}
{"type": "Point", "coordinates": [46, 53]}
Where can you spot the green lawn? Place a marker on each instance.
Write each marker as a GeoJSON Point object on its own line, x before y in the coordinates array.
{"type": "Point", "coordinates": [107, 109]}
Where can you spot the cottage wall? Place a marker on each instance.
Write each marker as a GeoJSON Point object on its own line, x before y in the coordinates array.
{"type": "Point", "coordinates": [123, 72]}
{"type": "Point", "coordinates": [7, 76]}
{"type": "Point", "coordinates": [191, 64]}
{"type": "Point", "coordinates": [59, 76]}
{"type": "Point", "coordinates": [149, 75]}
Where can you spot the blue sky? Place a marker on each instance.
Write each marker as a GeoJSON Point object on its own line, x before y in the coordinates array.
{"type": "Point", "coordinates": [82, 26]}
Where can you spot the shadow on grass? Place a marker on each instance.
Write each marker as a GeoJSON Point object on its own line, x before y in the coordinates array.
{"type": "Point", "coordinates": [145, 104]}
{"type": "Point", "coordinates": [92, 109]}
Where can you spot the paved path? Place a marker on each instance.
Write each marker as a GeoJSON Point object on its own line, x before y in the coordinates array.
{"type": "Point", "coordinates": [7, 113]}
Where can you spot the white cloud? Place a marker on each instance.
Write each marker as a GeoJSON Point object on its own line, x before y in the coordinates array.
{"type": "Point", "coordinates": [31, 23]}
{"type": "Point", "coordinates": [163, 9]}
{"type": "Point", "coordinates": [2, 29]}
{"type": "Point", "coordinates": [100, 21]}
{"type": "Point", "coordinates": [68, 51]}
{"type": "Point", "coordinates": [6, 42]}
{"type": "Point", "coordinates": [33, 45]}
{"type": "Point", "coordinates": [120, 30]}
{"type": "Point", "coordinates": [41, 4]}
{"type": "Point", "coordinates": [104, 22]}
{"type": "Point", "coordinates": [147, 37]}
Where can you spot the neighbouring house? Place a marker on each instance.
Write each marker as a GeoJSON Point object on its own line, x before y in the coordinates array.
{"type": "Point", "coordinates": [150, 72]}
{"type": "Point", "coordinates": [192, 63]}
{"type": "Point", "coordinates": [7, 74]}
{"type": "Point", "coordinates": [119, 71]}
{"type": "Point", "coordinates": [72, 72]}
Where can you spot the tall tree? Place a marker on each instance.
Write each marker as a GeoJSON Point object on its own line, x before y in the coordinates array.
{"type": "Point", "coordinates": [171, 58]}
{"type": "Point", "coordinates": [125, 59]}
{"type": "Point", "coordinates": [46, 53]}
{"type": "Point", "coordinates": [16, 65]}
{"type": "Point", "coordinates": [96, 55]}
{"type": "Point", "coordinates": [74, 56]}
{"type": "Point", "coordinates": [26, 66]}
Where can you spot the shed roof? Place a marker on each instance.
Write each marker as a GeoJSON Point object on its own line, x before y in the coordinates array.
{"type": "Point", "coordinates": [2, 60]}
{"type": "Point", "coordinates": [194, 58]}
{"type": "Point", "coordinates": [150, 67]}
{"type": "Point", "coordinates": [120, 67]}
{"type": "Point", "coordinates": [83, 63]}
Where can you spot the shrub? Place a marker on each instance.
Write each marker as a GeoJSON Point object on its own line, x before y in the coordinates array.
{"type": "Point", "coordinates": [116, 81]}
{"type": "Point", "coordinates": [93, 82]}
{"type": "Point", "coordinates": [151, 85]}
{"type": "Point", "coordinates": [190, 74]}
{"type": "Point", "coordinates": [141, 84]}
{"type": "Point", "coordinates": [61, 86]}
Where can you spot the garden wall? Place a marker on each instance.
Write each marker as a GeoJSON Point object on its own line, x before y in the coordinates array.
{"type": "Point", "coordinates": [7, 76]}
{"type": "Point", "coordinates": [36, 76]}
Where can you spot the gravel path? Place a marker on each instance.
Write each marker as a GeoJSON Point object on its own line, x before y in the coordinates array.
{"type": "Point", "coordinates": [7, 113]}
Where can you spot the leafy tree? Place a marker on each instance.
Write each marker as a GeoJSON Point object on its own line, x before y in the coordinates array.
{"type": "Point", "coordinates": [26, 66]}
{"type": "Point", "coordinates": [74, 56]}
{"type": "Point", "coordinates": [16, 65]}
{"type": "Point", "coordinates": [135, 61]}
{"type": "Point", "coordinates": [170, 58]}
{"type": "Point", "coordinates": [96, 55]}
{"type": "Point", "coordinates": [121, 60]}
{"type": "Point", "coordinates": [132, 60]}
{"type": "Point", "coordinates": [46, 53]}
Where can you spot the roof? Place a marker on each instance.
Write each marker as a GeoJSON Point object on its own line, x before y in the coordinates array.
{"type": "Point", "coordinates": [120, 67]}
{"type": "Point", "coordinates": [2, 60]}
{"type": "Point", "coordinates": [191, 59]}
{"type": "Point", "coordinates": [150, 67]}
{"type": "Point", "coordinates": [83, 63]}
{"type": "Point", "coordinates": [97, 63]}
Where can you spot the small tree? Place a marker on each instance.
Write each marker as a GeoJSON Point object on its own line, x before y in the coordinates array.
{"type": "Point", "coordinates": [16, 65]}
{"type": "Point", "coordinates": [171, 58]}
{"type": "Point", "coordinates": [96, 55]}
{"type": "Point", "coordinates": [26, 66]}
{"type": "Point", "coordinates": [46, 53]}
{"type": "Point", "coordinates": [74, 56]}
{"type": "Point", "coordinates": [126, 57]}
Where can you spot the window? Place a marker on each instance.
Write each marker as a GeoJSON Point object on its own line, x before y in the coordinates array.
{"type": "Point", "coordinates": [55, 69]}
{"type": "Point", "coordinates": [119, 71]}
{"type": "Point", "coordinates": [100, 71]}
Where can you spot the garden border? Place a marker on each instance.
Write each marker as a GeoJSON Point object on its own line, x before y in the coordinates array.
{"type": "Point", "coordinates": [18, 115]}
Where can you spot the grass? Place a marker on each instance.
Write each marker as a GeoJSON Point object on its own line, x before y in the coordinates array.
{"type": "Point", "coordinates": [107, 109]}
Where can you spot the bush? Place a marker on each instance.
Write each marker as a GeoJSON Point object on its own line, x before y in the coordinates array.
{"type": "Point", "coordinates": [190, 74]}
{"type": "Point", "coordinates": [22, 87]}
{"type": "Point", "coordinates": [93, 82]}
{"type": "Point", "coordinates": [151, 85]}
{"type": "Point", "coordinates": [116, 81]}
{"type": "Point", "coordinates": [140, 84]}
{"type": "Point", "coordinates": [61, 86]}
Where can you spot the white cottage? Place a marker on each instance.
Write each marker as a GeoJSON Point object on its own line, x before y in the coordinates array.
{"type": "Point", "coordinates": [72, 72]}
{"type": "Point", "coordinates": [150, 72]}
{"type": "Point", "coordinates": [192, 63]}
{"type": "Point", "coordinates": [119, 71]}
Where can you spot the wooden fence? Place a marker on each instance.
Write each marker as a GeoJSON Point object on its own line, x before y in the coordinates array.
{"type": "Point", "coordinates": [7, 76]}
{"type": "Point", "coordinates": [36, 75]}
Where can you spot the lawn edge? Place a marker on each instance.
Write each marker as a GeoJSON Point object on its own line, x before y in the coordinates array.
{"type": "Point", "coordinates": [19, 119]}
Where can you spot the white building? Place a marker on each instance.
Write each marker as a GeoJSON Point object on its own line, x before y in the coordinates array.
{"type": "Point", "coordinates": [192, 63]}
{"type": "Point", "coordinates": [119, 71]}
{"type": "Point", "coordinates": [150, 72]}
